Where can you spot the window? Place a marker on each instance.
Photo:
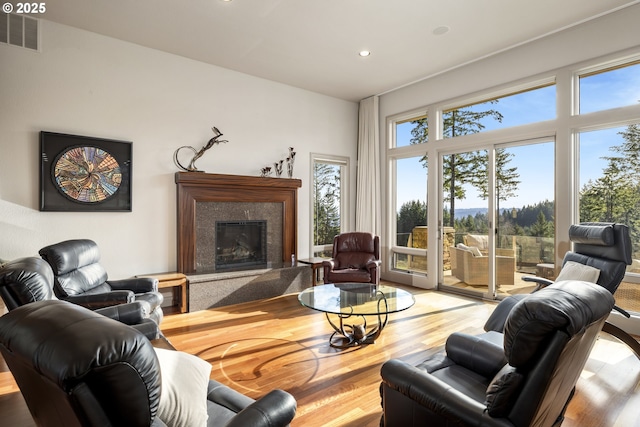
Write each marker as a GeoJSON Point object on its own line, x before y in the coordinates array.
{"type": "Point", "coordinates": [523, 192]}
{"type": "Point", "coordinates": [409, 253]}
{"type": "Point", "coordinates": [329, 176]}
{"type": "Point", "coordinates": [412, 131]}
{"type": "Point", "coordinates": [615, 86]}
{"type": "Point", "coordinates": [527, 106]}
{"type": "Point", "coordinates": [609, 183]}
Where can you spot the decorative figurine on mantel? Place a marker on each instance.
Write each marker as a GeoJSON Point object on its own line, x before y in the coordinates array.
{"type": "Point", "coordinates": [197, 154]}
{"type": "Point", "coordinates": [278, 168]}
{"type": "Point", "coordinates": [290, 159]}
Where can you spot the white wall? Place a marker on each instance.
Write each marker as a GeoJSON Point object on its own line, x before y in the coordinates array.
{"type": "Point", "coordinates": [86, 84]}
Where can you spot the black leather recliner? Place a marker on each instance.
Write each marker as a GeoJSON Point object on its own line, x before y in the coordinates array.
{"type": "Point", "coordinates": [526, 380]}
{"type": "Point", "coordinates": [77, 368]}
{"type": "Point", "coordinates": [79, 278]}
{"type": "Point", "coordinates": [27, 280]}
{"type": "Point", "coordinates": [600, 245]}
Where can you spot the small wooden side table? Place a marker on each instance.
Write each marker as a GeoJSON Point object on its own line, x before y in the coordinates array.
{"type": "Point", "coordinates": [170, 280]}
{"type": "Point", "coordinates": [316, 265]}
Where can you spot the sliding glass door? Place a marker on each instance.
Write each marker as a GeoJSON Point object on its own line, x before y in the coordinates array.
{"type": "Point", "coordinates": [497, 217]}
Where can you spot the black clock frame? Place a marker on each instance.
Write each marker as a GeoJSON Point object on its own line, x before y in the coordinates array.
{"type": "Point", "coordinates": [52, 145]}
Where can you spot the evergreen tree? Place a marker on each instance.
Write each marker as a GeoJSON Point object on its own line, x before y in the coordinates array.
{"type": "Point", "coordinates": [326, 211]}
{"type": "Point", "coordinates": [506, 178]}
{"type": "Point", "coordinates": [462, 168]}
{"type": "Point", "coordinates": [542, 227]}
{"type": "Point", "coordinates": [615, 196]}
{"type": "Point", "coordinates": [411, 214]}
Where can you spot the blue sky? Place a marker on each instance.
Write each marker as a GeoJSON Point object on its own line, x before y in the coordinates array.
{"type": "Point", "coordinates": [620, 87]}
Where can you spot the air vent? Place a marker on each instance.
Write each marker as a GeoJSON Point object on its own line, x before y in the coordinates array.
{"type": "Point", "coordinates": [18, 30]}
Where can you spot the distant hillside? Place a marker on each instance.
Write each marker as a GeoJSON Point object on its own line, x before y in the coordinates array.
{"type": "Point", "coordinates": [463, 213]}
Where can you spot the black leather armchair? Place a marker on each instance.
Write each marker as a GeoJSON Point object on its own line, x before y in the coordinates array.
{"type": "Point", "coordinates": [79, 278]}
{"type": "Point", "coordinates": [77, 368]}
{"type": "Point", "coordinates": [355, 258]}
{"type": "Point", "coordinates": [27, 280]}
{"type": "Point", "coordinates": [526, 380]}
{"type": "Point", "coordinates": [605, 247]}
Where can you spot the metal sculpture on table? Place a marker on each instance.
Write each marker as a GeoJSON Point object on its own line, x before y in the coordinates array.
{"type": "Point", "coordinates": [357, 334]}
{"type": "Point", "coordinates": [198, 153]}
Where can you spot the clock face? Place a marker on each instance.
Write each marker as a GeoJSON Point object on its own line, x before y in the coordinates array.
{"type": "Point", "coordinates": [87, 174]}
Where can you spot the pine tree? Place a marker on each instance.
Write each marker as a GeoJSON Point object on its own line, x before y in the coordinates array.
{"type": "Point", "coordinates": [461, 168]}
{"type": "Point", "coordinates": [411, 214]}
{"type": "Point", "coordinates": [326, 211]}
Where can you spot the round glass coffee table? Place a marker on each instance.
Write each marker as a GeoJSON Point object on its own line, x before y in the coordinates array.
{"type": "Point", "coordinates": [356, 301]}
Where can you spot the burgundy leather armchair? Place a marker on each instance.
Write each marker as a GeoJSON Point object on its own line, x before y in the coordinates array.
{"type": "Point", "coordinates": [356, 258]}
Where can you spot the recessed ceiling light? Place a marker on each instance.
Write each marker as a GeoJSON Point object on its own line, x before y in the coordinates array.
{"type": "Point", "coordinates": [364, 53]}
{"type": "Point", "coordinates": [441, 30]}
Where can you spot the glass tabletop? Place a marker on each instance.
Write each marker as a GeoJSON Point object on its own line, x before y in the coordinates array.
{"type": "Point", "coordinates": [356, 298]}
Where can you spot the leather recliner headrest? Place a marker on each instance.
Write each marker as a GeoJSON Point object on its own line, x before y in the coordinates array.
{"type": "Point", "coordinates": [29, 279]}
{"type": "Point", "coordinates": [570, 306]}
{"type": "Point", "coordinates": [70, 255]}
{"type": "Point", "coordinates": [602, 240]}
{"type": "Point", "coordinates": [355, 242]}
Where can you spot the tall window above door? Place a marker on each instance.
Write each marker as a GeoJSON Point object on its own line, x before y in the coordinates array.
{"type": "Point", "coordinates": [616, 85]}
{"type": "Point", "coordinates": [519, 107]}
{"type": "Point", "coordinates": [328, 201]}
{"type": "Point", "coordinates": [412, 131]}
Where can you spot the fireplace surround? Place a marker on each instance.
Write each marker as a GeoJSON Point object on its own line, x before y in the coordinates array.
{"type": "Point", "coordinates": [233, 198]}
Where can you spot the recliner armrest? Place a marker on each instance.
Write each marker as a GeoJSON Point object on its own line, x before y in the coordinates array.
{"type": "Point", "coordinates": [138, 285]}
{"type": "Point", "coordinates": [434, 394]}
{"type": "Point", "coordinates": [542, 282]}
{"type": "Point", "coordinates": [276, 408]}
{"type": "Point", "coordinates": [330, 264]}
{"type": "Point", "coordinates": [107, 299]}
{"type": "Point", "coordinates": [476, 353]}
{"type": "Point", "coordinates": [373, 264]}
{"type": "Point", "coordinates": [129, 314]}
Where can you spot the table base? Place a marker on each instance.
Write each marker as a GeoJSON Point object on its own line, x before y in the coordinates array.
{"type": "Point", "coordinates": [351, 335]}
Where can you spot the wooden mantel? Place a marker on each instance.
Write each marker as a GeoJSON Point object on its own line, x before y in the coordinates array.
{"type": "Point", "coordinates": [194, 187]}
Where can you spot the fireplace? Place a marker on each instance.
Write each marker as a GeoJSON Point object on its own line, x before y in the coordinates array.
{"type": "Point", "coordinates": [240, 245]}
{"type": "Point", "coordinates": [205, 199]}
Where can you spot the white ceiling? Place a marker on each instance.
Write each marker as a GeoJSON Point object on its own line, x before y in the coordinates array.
{"type": "Point", "coordinates": [314, 44]}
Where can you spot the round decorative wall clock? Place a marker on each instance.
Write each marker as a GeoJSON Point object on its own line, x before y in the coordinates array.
{"type": "Point", "coordinates": [87, 174]}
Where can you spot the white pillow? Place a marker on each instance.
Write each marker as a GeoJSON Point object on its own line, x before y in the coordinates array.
{"type": "Point", "coordinates": [572, 270]}
{"type": "Point", "coordinates": [478, 240]}
{"type": "Point", "coordinates": [475, 251]}
{"type": "Point", "coordinates": [463, 247]}
{"type": "Point", "coordinates": [183, 399]}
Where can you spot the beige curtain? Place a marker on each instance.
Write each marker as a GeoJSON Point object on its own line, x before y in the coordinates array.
{"type": "Point", "coordinates": [368, 178]}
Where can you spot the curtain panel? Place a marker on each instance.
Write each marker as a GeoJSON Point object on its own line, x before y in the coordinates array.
{"type": "Point", "coordinates": [368, 177]}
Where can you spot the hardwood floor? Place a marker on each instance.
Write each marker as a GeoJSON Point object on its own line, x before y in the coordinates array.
{"type": "Point", "coordinates": [277, 343]}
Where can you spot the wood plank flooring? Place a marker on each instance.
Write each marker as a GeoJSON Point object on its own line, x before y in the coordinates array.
{"type": "Point", "coordinates": [277, 343]}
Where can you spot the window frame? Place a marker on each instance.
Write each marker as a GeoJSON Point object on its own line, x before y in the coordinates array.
{"type": "Point", "coordinates": [564, 127]}
{"type": "Point", "coordinates": [343, 162]}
